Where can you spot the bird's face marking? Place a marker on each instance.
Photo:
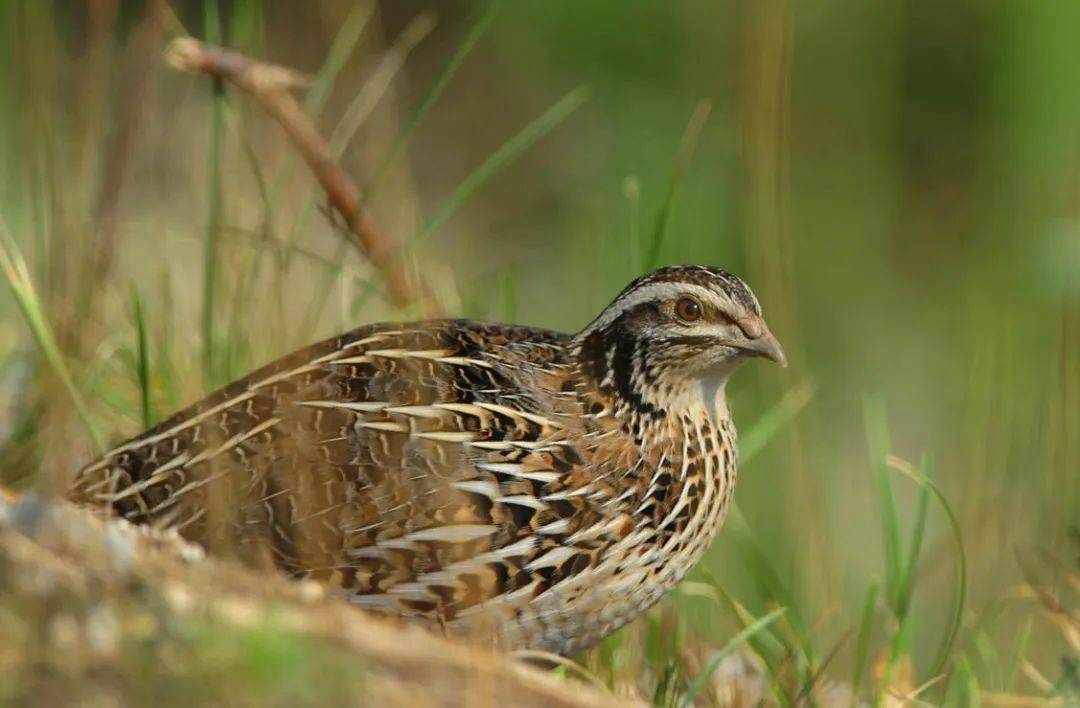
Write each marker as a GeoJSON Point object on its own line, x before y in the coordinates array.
{"type": "Point", "coordinates": [676, 324]}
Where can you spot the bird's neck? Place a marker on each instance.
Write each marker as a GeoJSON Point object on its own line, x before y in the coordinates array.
{"type": "Point", "coordinates": [624, 374]}
{"type": "Point", "coordinates": [619, 379]}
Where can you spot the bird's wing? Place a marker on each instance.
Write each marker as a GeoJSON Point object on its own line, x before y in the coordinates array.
{"type": "Point", "coordinates": [425, 468]}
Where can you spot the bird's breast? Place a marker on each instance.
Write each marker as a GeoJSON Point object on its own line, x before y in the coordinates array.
{"type": "Point", "coordinates": [669, 498]}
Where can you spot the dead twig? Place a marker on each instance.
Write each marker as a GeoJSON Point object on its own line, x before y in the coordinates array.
{"type": "Point", "coordinates": [270, 85]}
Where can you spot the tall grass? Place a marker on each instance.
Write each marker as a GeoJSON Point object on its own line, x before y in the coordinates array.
{"type": "Point", "coordinates": [214, 196]}
{"type": "Point", "coordinates": [21, 284]}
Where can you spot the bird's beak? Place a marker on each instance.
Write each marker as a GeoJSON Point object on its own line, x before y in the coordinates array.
{"type": "Point", "coordinates": [765, 345]}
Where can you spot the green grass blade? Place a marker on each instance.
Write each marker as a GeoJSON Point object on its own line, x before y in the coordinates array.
{"type": "Point", "coordinates": [687, 145]}
{"type": "Point", "coordinates": [988, 657]}
{"type": "Point", "coordinates": [762, 570]}
{"type": "Point", "coordinates": [773, 420]}
{"type": "Point", "coordinates": [701, 679]}
{"type": "Point", "coordinates": [862, 642]}
{"type": "Point", "coordinates": [361, 107]}
{"type": "Point", "coordinates": [341, 48]}
{"type": "Point", "coordinates": [381, 79]}
{"type": "Point", "coordinates": [22, 288]}
{"type": "Point", "coordinates": [168, 375]}
{"type": "Point", "coordinates": [965, 690]}
{"type": "Point", "coordinates": [765, 644]}
{"type": "Point", "coordinates": [770, 584]}
{"type": "Point", "coordinates": [1016, 655]}
{"type": "Point", "coordinates": [142, 360]}
{"type": "Point", "coordinates": [877, 441]}
{"type": "Point", "coordinates": [358, 111]}
{"type": "Point", "coordinates": [495, 163]}
{"type": "Point", "coordinates": [503, 156]}
{"type": "Point", "coordinates": [907, 576]}
{"type": "Point", "coordinates": [212, 20]}
{"type": "Point", "coordinates": [631, 189]}
{"type": "Point", "coordinates": [251, 269]}
{"type": "Point", "coordinates": [819, 671]}
{"type": "Point", "coordinates": [476, 31]}
{"type": "Point", "coordinates": [247, 25]}
{"type": "Point", "coordinates": [897, 648]}
{"type": "Point", "coordinates": [664, 693]}
{"type": "Point", "coordinates": [509, 294]}
{"type": "Point", "coordinates": [960, 595]}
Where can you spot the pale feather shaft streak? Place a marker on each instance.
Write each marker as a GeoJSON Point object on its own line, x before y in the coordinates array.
{"type": "Point", "coordinates": [519, 470]}
{"type": "Point", "coordinates": [448, 436]}
{"type": "Point", "coordinates": [232, 442]}
{"type": "Point", "coordinates": [454, 533]}
{"type": "Point", "coordinates": [429, 354]}
{"type": "Point", "coordinates": [515, 413]}
{"type": "Point", "coordinates": [556, 556]}
{"type": "Point", "coordinates": [523, 500]}
{"type": "Point", "coordinates": [385, 426]}
{"type": "Point", "coordinates": [355, 406]}
{"type": "Point", "coordinates": [554, 528]}
{"type": "Point", "coordinates": [451, 574]}
{"type": "Point", "coordinates": [159, 475]}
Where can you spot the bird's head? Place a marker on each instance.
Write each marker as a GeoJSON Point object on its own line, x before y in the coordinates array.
{"type": "Point", "coordinates": [672, 331]}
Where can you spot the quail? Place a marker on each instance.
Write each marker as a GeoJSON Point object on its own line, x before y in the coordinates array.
{"type": "Point", "coordinates": [468, 474]}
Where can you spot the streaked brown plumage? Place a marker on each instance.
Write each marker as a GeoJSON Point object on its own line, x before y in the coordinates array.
{"type": "Point", "coordinates": [466, 473]}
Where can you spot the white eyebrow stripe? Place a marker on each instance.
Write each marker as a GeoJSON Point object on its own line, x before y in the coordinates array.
{"type": "Point", "coordinates": [649, 293]}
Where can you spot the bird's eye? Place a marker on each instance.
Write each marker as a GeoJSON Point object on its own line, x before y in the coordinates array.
{"type": "Point", "coordinates": [688, 309]}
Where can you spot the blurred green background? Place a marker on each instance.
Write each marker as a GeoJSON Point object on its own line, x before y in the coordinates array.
{"type": "Point", "coordinates": [898, 182]}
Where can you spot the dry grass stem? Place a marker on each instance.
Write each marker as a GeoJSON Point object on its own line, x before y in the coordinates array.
{"type": "Point", "coordinates": [269, 85]}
